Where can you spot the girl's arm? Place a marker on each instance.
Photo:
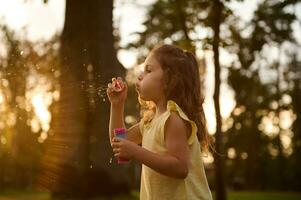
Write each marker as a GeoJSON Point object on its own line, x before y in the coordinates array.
{"type": "Point", "coordinates": [133, 134]}
{"type": "Point", "coordinates": [116, 118]}
{"type": "Point", "coordinates": [117, 100]}
{"type": "Point", "coordinates": [174, 163]}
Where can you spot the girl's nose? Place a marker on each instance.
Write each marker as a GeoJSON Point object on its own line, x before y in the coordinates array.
{"type": "Point", "coordinates": [140, 77]}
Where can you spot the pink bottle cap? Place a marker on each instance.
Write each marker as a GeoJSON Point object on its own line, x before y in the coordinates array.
{"type": "Point", "coordinates": [118, 131]}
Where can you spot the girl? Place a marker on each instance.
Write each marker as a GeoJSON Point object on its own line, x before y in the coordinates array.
{"type": "Point", "coordinates": [172, 132]}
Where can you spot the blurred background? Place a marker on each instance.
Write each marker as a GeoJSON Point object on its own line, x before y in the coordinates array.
{"type": "Point", "coordinates": [56, 58]}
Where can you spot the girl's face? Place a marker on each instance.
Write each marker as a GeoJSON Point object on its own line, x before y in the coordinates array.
{"type": "Point", "coordinates": [150, 84]}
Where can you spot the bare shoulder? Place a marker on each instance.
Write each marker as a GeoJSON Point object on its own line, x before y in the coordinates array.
{"type": "Point", "coordinates": [177, 126]}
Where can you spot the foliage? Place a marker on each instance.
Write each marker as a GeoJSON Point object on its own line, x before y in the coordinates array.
{"type": "Point", "coordinates": [27, 71]}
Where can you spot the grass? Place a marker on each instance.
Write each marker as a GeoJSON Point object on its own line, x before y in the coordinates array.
{"type": "Point", "coordinates": [245, 195]}
{"type": "Point", "coordinates": [24, 195]}
{"type": "Point", "coordinates": [264, 195]}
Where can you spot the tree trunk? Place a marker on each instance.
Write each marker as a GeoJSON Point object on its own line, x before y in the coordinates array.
{"type": "Point", "coordinates": [296, 140]}
{"type": "Point", "coordinates": [218, 160]}
{"type": "Point", "coordinates": [79, 147]}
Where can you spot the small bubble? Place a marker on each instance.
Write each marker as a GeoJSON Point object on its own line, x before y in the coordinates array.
{"type": "Point", "coordinates": [111, 160]}
{"type": "Point", "coordinates": [21, 53]}
{"type": "Point", "coordinates": [91, 166]}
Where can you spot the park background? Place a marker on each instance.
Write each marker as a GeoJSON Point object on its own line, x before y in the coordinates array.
{"type": "Point", "coordinates": [56, 58]}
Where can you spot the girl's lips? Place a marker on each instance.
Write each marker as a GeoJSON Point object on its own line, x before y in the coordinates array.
{"type": "Point", "coordinates": [137, 87]}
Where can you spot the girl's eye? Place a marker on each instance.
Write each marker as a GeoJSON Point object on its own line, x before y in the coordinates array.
{"type": "Point", "coordinates": [147, 70]}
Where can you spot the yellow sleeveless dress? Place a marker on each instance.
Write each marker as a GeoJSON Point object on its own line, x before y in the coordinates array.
{"type": "Point", "coordinates": [156, 186]}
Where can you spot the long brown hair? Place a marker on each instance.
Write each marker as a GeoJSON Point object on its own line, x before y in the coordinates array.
{"type": "Point", "coordinates": [183, 85]}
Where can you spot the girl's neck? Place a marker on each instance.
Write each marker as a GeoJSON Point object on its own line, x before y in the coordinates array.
{"type": "Point", "coordinates": [160, 107]}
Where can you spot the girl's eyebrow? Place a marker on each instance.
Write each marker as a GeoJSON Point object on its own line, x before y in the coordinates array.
{"type": "Point", "coordinates": [147, 66]}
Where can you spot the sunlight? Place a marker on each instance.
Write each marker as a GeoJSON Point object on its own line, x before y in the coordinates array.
{"type": "Point", "coordinates": [208, 158]}
{"type": "Point", "coordinates": [40, 96]}
{"type": "Point", "coordinates": [40, 108]}
{"type": "Point", "coordinates": [1, 97]}
{"type": "Point", "coordinates": [41, 100]}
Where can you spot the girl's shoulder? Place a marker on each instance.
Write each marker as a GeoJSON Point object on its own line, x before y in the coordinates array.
{"type": "Point", "coordinates": [176, 115]}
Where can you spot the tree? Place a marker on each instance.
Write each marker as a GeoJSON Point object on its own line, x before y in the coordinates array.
{"type": "Point", "coordinates": [21, 147]}
{"type": "Point", "coordinates": [79, 147]}
{"type": "Point", "coordinates": [216, 20]}
{"type": "Point", "coordinates": [296, 140]}
{"type": "Point", "coordinates": [270, 26]}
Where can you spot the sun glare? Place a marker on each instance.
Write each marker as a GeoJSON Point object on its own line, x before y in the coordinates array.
{"type": "Point", "coordinates": [40, 97]}
{"type": "Point", "coordinates": [40, 109]}
{"type": "Point", "coordinates": [1, 98]}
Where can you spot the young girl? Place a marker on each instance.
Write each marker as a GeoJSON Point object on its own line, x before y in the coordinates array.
{"type": "Point", "coordinates": [172, 132]}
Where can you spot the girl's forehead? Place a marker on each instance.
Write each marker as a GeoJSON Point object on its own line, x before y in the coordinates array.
{"type": "Point", "coordinates": [151, 61]}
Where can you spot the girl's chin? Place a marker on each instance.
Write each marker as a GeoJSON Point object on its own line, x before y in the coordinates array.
{"type": "Point", "coordinates": [143, 98]}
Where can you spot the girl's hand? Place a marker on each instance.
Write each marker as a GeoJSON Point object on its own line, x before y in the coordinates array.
{"type": "Point", "coordinates": [124, 148]}
{"type": "Point", "coordinates": [117, 91]}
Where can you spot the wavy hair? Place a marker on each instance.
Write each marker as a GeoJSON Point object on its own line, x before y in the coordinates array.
{"type": "Point", "coordinates": [183, 86]}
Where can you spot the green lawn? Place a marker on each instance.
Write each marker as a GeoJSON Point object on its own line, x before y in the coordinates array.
{"type": "Point", "coordinates": [263, 196]}
{"type": "Point", "coordinates": [13, 195]}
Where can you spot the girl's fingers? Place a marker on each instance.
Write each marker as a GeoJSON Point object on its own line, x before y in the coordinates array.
{"type": "Point", "coordinates": [110, 88]}
{"type": "Point", "coordinates": [115, 142]}
{"type": "Point", "coordinates": [109, 91]}
{"type": "Point", "coordinates": [125, 85]}
{"type": "Point", "coordinates": [115, 145]}
{"type": "Point", "coordinates": [116, 139]}
{"type": "Point", "coordinates": [116, 150]}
